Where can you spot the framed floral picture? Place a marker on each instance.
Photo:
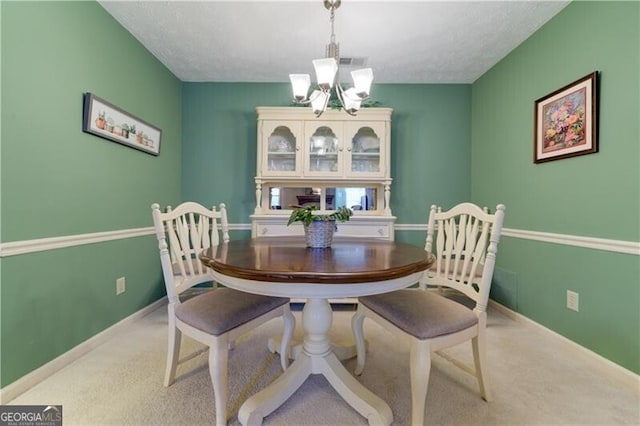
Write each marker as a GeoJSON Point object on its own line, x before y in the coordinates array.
{"type": "Point", "coordinates": [566, 121]}
{"type": "Point", "coordinates": [106, 120]}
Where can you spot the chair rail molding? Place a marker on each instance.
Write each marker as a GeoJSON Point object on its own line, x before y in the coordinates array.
{"type": "Point", "coordinates": [42, 244]}
{"type": "Point", "coordinates": [618, 246]}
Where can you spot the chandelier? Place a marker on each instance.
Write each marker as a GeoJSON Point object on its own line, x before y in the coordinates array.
{"type": "Point", "coordinates": [327, 77]}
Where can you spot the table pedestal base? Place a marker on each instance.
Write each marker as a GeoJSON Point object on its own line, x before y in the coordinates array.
{"type": "Point", "coordinates": [342, 351]}
{"type": "Point", "coordinates": [316, 358]}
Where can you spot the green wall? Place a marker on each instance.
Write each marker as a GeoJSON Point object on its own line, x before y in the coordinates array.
{"type": "Point", "coordinates": [430, 148]}
{"type": "Point", "coordinates": [450, 143]}
{"type": "Point", "coordinates": [594, 195]}
{"type": "Point", "coordinates": [58, 181]}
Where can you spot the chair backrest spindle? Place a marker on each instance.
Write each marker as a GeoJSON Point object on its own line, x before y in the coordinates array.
{"type": "Point", "coordinates": [466, 242]}
{"type": "Point", "coordinates": [183, 233]}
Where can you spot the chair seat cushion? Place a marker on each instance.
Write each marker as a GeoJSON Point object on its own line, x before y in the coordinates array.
{"type": "Point", "coordinates": [218, 311]}
{"type": "Point", "coordinates": [422, 314]}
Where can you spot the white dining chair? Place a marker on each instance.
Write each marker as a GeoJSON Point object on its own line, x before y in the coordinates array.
{"type": "Point", "coordinates": [217, 316]}
{"type": "Point", "coordinates": [464, 241]}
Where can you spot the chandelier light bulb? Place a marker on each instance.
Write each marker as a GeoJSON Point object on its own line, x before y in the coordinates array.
{"type": "Point", "coordinates": [351, 101]}
{"type": "Point", "coordinates": [351, 95]}
{"type": "Point", "coordinates": [326, 70]}
{"type": "Point", "coordinates": [362, 81]}
{"type": "Point", "coordinates": [300, 84]}
{"type": "Point", "coordinates": [319, 101]}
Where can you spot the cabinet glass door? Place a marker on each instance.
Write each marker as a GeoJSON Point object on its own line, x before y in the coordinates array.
{"type": "Point", "coordinates": [366, 150]}
{"type": "Point", "coordinates": [323, 149]}
{"type": "Point", "coordinates": [280, 150]}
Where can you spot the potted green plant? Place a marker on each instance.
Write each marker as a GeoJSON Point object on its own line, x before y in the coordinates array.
{"type": "Point", "coordinates": [109, 126]}
{"type": "Point", "coordinates": [318, 228]}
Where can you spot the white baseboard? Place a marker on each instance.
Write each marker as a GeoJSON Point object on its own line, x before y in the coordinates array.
{"type": "Point", "coordinates": [622, 373]}
{"type": "Point", "coordinates": [25, 383]}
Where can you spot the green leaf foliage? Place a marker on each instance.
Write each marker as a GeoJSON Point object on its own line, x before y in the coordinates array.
{"type": "Point", "coordinates": [306, 215]}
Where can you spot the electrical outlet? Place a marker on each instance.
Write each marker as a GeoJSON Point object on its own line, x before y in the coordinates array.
{"type": "Point", "coordinates": [573, 300]}
{"type": "Point", "coordinates": [121, 285]}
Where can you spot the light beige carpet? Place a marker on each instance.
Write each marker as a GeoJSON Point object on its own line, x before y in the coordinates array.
{"type": "Point", "coordinates": [536, 379]}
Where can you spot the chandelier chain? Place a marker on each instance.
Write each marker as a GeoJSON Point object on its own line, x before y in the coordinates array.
{"type": "Point", "coordinates": [333, 35]}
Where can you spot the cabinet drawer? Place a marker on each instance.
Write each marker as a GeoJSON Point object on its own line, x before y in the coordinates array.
{"type": "Point", "coordinates": [368, 230]}
{"type": "Point", "coordinates": [272, 228]}
{"type": "Point", "coordinates": [276, 230]}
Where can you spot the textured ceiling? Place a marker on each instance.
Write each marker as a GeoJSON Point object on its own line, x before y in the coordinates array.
{"type": "Point", "coordinates": [264, 41]}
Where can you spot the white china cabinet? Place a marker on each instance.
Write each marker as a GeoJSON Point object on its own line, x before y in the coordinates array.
{"type": "Point", "coordinates": [332, 161]}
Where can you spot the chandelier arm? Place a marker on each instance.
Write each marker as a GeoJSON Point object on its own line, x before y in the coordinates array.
{"type": "Point", "coordinates": [324, 108]}
{"type": "Point", "coordinates": [339, 91]}
{"type": "Point", "coordinates": [307, 100]}
{"type": "Point", "coordinates": [302, 102]}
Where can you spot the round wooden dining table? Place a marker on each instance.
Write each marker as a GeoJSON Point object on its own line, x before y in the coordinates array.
{"type": "Point", "coordinates": [285, 267]}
